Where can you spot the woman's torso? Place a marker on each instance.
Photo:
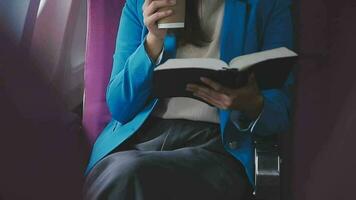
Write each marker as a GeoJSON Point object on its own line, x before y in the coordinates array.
{"type": "Point", "coordinates": [211, 15]}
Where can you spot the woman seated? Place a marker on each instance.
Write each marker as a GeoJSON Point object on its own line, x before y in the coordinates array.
{"type": "Point", "coordinates": [183, 148]}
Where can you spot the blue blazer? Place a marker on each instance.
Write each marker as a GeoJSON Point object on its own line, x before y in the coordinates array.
{"type": "Point", "coordinates": [248, 26]}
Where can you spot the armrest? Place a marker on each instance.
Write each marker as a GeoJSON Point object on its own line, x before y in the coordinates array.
{"type": "Point", "coordinates": [267, 168]}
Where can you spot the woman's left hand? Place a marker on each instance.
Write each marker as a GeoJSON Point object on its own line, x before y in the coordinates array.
{"type": "Point", "coordinates": [247, 99]}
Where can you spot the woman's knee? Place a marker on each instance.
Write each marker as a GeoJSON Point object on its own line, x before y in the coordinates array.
{"type": "Point", "coordinates": [116, 175]}
{"type": "Point", "coordinates": [124, 165]}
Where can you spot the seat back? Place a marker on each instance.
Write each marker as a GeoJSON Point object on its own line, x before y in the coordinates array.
{"type": "Point", "coordinates": [103, 20]}
{"type": "Point", "coordinates": [58, 46]}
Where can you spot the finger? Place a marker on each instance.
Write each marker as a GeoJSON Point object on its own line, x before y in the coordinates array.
{"type": "Point", "coordinates": [252, 82]}
{"type": "Point", "coordinates": [225, 101]}
{"type": "Point", "coordinates": [216, 86]}
{"type": "Point", "coordinates": [145, 4]}
{"type": "Point", "coordinates": [151, 20]}
{"type": "Point", "coordinates": [157, 4]}
{"type": "Point", "coordinates": [197, 88]}
{"type": "Point", "coordinates": [207, 91]}
{"type": "Point", "coordinates": [209, 100]}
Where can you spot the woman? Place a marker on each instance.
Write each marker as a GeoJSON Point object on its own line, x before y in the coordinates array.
{"type": "Point", "coordinates": [182, 148]}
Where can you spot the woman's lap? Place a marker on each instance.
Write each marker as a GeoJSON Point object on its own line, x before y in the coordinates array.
{"type": "Point", "coordinates": [201, 171]}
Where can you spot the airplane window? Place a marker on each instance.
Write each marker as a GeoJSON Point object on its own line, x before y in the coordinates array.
{"type": "Point", "coordinates": [40, 9]}
{"type": "Point", "coordinates": [14, 13]}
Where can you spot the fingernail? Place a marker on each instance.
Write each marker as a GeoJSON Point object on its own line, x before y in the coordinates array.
{"type": "Point", "coordinates": [172, 2]}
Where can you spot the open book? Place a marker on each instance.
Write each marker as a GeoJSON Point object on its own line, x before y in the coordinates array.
{"type": "Point", "coordinates": [271, 69]}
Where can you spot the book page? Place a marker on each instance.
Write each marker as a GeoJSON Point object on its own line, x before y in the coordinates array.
{"type": "Point", "coordinates": [245, 61]}
{"type": "Point", "coordinates": [203, 63]}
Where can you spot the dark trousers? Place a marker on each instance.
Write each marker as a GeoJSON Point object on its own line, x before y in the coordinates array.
{"type": "Point", "coordinates": [169, 159]}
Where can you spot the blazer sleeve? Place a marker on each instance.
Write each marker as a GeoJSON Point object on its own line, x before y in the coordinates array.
{"type": "Point", "coordinates": [130, 82]}
{"type": "Point", "coordinates": [278, 31]}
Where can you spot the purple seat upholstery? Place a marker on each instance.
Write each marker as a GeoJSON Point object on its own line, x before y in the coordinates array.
{"type": "Point", "coordinates": [103, 16]}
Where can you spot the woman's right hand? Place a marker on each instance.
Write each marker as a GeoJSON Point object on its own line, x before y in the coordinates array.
{"type": "Point", "coordinates": [155, 36]}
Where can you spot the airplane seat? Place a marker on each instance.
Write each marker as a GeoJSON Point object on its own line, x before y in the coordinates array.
{"type": "Point", "coordinates": [103, 20]}
{"type": "Point", "coordinates": [268, 160]}
{"type": "Point", "coordinates": [58, 45]}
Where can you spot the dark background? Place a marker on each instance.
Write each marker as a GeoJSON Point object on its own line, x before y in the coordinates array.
{"type": "Point", "coordinates": [325, 119]}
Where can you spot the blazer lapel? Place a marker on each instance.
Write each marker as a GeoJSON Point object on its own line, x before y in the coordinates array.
{"type": "Point", "coordinates": [170, 47]}
{"type": "Point", "coordinates": [232, 40]}
{"type": "Point", "coordinates": [234, 29]}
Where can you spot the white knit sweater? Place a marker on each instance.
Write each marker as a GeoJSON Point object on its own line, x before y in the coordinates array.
{"type": "Point", "coordinates": [211, 15]}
